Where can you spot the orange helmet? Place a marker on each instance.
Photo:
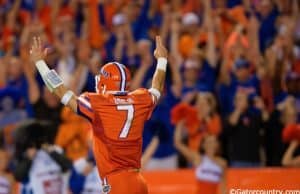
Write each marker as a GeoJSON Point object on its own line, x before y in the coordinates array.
{"type": "Point", "coordinates": [114, 77]}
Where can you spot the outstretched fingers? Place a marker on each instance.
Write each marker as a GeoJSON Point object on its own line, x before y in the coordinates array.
{"type": "Point", "coordinates": [36, 43]}
{"type": "Point", "coordinates": [39, 41]}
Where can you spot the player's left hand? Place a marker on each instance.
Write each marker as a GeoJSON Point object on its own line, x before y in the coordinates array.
{"type": "Point", "coordinates": [160, 50]}
{"type": "Point", "coordinates": [37, 52]}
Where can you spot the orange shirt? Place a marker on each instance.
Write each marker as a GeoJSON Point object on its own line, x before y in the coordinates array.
{"type": "Point", "coordinates": [237, 15]}
{"type": "Point", "coordinates": [118, 123]}
{"type": "Point", "coordinates": [72, 135]}
{"type": "Point", "coordinates": [195, 127]}
{"type": "Point", "coordinates": [213, 126]}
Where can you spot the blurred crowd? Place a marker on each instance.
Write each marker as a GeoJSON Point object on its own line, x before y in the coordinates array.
{"type": "Point", "coordinates": [232, 88]}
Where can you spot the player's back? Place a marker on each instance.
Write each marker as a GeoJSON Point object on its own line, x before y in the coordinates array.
{"type": "Point", "coordinates": [118, 122]}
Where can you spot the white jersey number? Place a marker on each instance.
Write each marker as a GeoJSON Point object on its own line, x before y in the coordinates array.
{"type": "Point", "coordinates": [127, 125]}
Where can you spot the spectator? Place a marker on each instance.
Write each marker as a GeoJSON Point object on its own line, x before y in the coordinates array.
{"type": "Point", "coordinates": [86, 69]}
{"type": "Point", "coordinates": [11, 113]}
{"type": "Point", "coordinates": [208, 165]}
{"type": "Point", "coordinates": [40, 167]}
{"type": "Point", "coordinates": [197, 61]}
{"type": "Point", "coordinates": [14, 80]}
{"type": "Point", "coordinates": [206, 121]}
{"type": "Point", "coordinates": [45, 105]}
{"type": "Point", "coordinates": [284, 116]}
{"type": "Point", "coordinates": [7, 182]}
{"type": "Point", "coordinates": [243, 132]}
{"type": "Point", "coordinates": [165, 156]}
{"type": "Point", "coordinates": [240, 81]}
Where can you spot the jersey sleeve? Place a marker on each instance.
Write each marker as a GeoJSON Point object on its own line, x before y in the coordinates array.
{"type": "Point", "coordinates": [150, 98]}
{"type": "Point", "coordinates": [84, 107]}
{"type": "Point", "coordinates": [155, 95]}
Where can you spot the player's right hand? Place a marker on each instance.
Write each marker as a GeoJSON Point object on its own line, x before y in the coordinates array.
{"type": "Point", "coordinates": [37, 52]}
{"type": "Point", "coordinates": [160, 50]}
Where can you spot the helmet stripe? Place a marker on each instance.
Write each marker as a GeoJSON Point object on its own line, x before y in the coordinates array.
{"type": "Point", "coordinates": [123, 76]}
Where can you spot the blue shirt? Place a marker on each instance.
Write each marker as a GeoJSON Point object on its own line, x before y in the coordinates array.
{"type": "Point", "coordinates": [207, 78]}
{"type": "Point", "coordinates": [22, 85]}
{"type": "Point", "coordinates": [160, 125]}
{"type": "Point", "coordinates": [226, 93]}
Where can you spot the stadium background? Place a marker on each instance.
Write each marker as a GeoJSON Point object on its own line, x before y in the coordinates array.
{"type": "Point", "coordinates": [225, 56]}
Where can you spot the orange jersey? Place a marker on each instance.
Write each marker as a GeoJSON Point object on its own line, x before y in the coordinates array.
{"type": "Point", "coordinates": [118, 123]}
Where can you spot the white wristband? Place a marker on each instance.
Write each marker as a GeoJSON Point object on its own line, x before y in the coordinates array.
{"type": "Point", "coordinates": [42, 67]}
{"type": "Point", "coordinates": [43, 70]}
{"type": "Point", "coordinates": [162, 64]}
{"type": "Point", "coordinates": [67, 97]}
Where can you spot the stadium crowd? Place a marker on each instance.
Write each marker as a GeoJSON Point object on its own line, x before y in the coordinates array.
{"type": "Point", "coordinates": [232, 94]}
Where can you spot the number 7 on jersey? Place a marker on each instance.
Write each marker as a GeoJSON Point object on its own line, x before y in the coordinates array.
{"type": "Point", "coordinates": [129, 119]}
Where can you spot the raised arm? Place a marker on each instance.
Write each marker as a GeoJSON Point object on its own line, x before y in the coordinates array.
{"type": "Point", "coordinates": [149, 152]}
{"type": "Point", "coordinates": [211, 45]}
{"type": "Point", "coordinates": [295, 8]}
{"type": "Point", "coordinates": [34, 91]}
{"type": "Point", "coordinates": [159, 76]}
{"type": "Point", "coordinates": [3, 77]}
{"type": "Point", "coordinates": [288, 159]}
{"type": "Point", "coordinates": [190, 155]}
{"type": "Point", "coordinates": [52, 80]}
{"type": "Point", "coordinates": [13, 14]}
{"type": "Point", "coordinates": [166, 11]}
{"type": "Point", "coordinates": [144, 48]}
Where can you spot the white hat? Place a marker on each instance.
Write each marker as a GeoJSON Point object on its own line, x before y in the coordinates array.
{"type": "Point", "coordinates": [119, 19]}
{"type": "Point", "coordinates": [190, 19]}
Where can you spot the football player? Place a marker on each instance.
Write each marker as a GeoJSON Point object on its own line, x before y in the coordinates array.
{"type": "Point", "coordinates": [117, 116]}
